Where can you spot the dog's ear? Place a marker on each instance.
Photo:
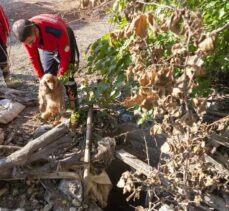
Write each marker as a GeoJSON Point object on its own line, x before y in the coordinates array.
{"type": "Point", "coordinates": [46, 85]}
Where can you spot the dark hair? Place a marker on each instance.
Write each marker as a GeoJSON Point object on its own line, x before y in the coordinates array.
{"type": "Point", "coordinates": [23, 29]}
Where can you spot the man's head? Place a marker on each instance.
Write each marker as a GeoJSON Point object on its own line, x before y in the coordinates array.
{"type": "Point", "coordinates": [24, 30]}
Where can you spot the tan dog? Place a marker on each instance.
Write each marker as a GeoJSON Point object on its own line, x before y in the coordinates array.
{"type": "Point", "coordinates": [51, 97]}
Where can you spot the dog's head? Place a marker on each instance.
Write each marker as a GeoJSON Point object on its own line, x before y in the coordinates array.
{"type": "Point", "coordinates": [50, 81]}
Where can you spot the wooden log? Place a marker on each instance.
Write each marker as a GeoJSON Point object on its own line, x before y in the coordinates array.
{"type": "Point", "coordinates": [51, 148]}
{"type": "Point", "coordinates": [23, 155]}
{"type": "Point", "coordinates": [134, 162]}
{"type": "Point", "coordinates": [87, 148]}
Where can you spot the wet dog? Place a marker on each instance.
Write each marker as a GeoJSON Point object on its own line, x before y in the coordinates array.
{"type": "Point", "coordinates": [51, 97]}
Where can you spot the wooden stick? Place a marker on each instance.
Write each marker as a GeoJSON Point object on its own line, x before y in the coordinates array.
{"type": "Point", "coordinates": [87, 147]}
{"type": "Point", "coordinates": [8, 147]}
{"type": "Point", "coordinates": [45, 175]}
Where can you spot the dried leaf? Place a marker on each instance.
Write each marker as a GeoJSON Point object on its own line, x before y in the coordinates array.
{"type": "Point", "coordinates": [156, 130]}
{"type": "Point", "coordinates": [207, 45]}
{"type": "Point", "coordinates": [199, 104]}
{"type": "Point", "coordinates": [178, 48]}
{"type": "Point", "coordinates": [175, 22]}
{"type": "Point", "coordinates": [152, 22]}
{"type": "Point", "coordinates": [132, 101]}
{"type": "Point", "coordinates": [143, 81]}
{"type": "Point", "coordinates": [195, 60]}
{"type": "Point", "coordinates": [141, 26]}
{"type": "Point", "coordinates": [129, 71]}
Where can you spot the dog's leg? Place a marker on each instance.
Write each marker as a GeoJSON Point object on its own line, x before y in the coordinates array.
{"type": "Point", "coordinates": [46, 115]}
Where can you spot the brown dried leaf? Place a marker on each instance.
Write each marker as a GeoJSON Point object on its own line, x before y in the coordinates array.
{"type": "Point", "coordinates": [175, 22]}
{"type": "Point", "coordinates": [152, 22]}
{"type": "Point", "coordinates": [199, 105]}
{"type": "Point", "coordinates": [129, 71]}
{"type": "Point", "coordinates": [178, 48]}
{"type": "Point", "coordinates": [128, 31]}
{"type": "Point", "coordinates": [141, 26]}
{"type": "Point", "coordinates": [132, 101]}
{"type": "Point", "coordinates": [177, 93]}
{"type": "Point", "coordinates": [200, 72]}
{"type": "Point", "coordinates": [195, 60]}
{"type": "Point", "coordinates": [143, 80]}
{"type": "Point", "coordinates": [207, 45]}
{"type": "Point", "coordinates": [156, 130]}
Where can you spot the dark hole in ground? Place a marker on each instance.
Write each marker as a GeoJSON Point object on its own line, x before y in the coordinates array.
{"type": "Point", "coordinates": [117, 201]}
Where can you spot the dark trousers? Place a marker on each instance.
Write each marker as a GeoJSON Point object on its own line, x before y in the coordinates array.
{"type": "Point", "coordinates": [3, 61]}
{"type": "Point", "coordinates": [3, 54]}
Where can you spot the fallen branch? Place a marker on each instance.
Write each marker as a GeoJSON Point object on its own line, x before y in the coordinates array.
{"type": "Point", "coordinates": [45, 175]}
{"type": "Point", "coordinates": [87, 149]}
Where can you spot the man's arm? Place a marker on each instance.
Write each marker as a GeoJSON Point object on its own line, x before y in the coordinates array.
{"type": "Point", "coordinates": [4, 21]}
{"type": "Point", "coordinates": [35, 60]}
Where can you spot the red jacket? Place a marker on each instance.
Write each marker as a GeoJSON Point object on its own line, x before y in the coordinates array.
{"type": "Point", "coordinates": [4, 26]}
{"type": "Point", "coordinates": [53, 37]}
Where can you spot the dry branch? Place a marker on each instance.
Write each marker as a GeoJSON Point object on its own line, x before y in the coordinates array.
{"type": "Point", "coordinates": [45, 175]}
{"type": "Point", "coordinates": [226, 26]}
{"type": "Point", "coordinates": [87, 148]}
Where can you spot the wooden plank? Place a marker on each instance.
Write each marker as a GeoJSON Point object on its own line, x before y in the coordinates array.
{"type": "Point", "coordinates": [134, 162]}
